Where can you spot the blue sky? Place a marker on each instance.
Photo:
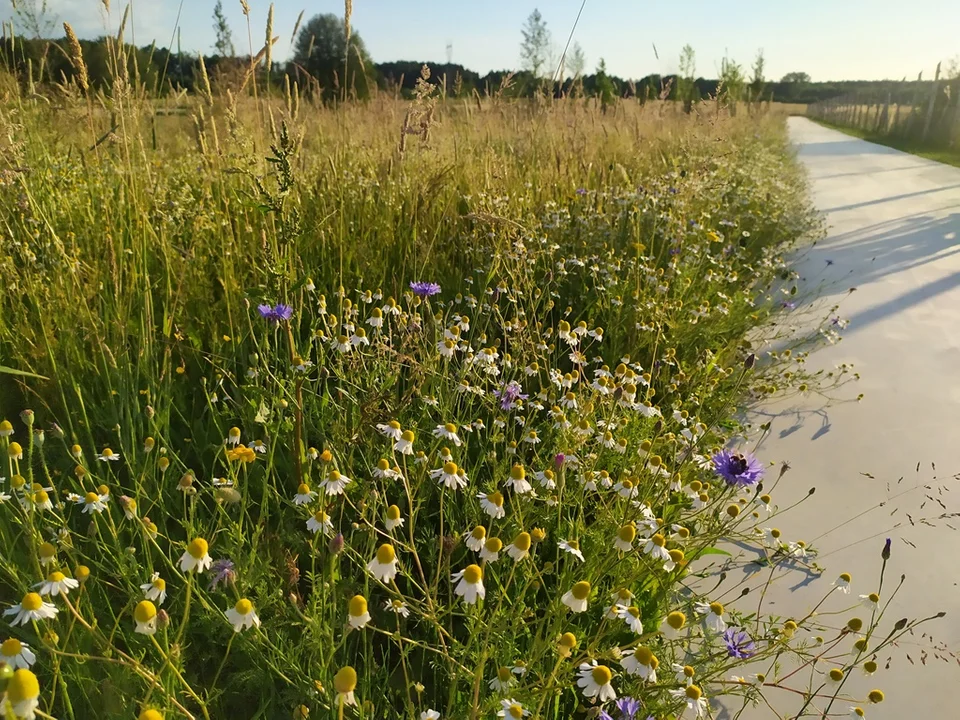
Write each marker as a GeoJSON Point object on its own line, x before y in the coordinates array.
{"type": "Point", "coordinates": [829, 39]}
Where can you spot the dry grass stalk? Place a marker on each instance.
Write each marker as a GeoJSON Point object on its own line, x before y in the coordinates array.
{"type": "Point", "coordinates": [347, 12]}
{"type": "Point", "coordinates": [76, 57]}
{"type": "Point", "coordinates": [296, 26]}
{"type": "Point", "coordinates": [268, 42]}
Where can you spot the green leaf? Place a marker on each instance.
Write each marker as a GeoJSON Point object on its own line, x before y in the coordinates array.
{"type": "Point", "coordinates": [714, 551]}
{"type": "Point", "coordinates": [11, 371]}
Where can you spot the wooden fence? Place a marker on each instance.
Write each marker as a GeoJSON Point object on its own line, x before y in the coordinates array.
{"type": "Point", "coordinates": [926, 114]}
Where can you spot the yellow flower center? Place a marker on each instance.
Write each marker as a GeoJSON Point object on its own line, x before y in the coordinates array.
{"type": "Point", "coordinates": [644, 655]}
{"type": "Point", "coordinates": [107, 453]}
{"type": "Point", "coordinates": [393, 513]}
{"type": "Point", "coordinates": [693, 692]}
{"type": "Point", "coordinates": [327, 456]}
{"type": "Point", "coordinates": [47, 550]}
{"type": "Point", "coordinates": [334, 476]}
{"type": "Point", "coordinates": [450, 468]}
{"type": "Point", "coordinates": [22, 686]}
{"type": "Point", "coordinates": [358, 605]}
{"type": "Point", "coordinates": [568, 640]}
{"type": "Point", "coordinates": [243, 607]}
{"type": "Point", "coordinates": [676, 619]}
{"type": "Point", "coordinates": [503, 674]}
{"type": "Point", "coordinates": [688, 671]}
{"type": "Point", "coordinates": [386, 554]}
{"type": "Point", "coordinates": [345, 680]}
{"type": "Point", "coordinates": [845, 577]}
{"type": "Point", "coordinates": [90, 498]}
{"type": "Point", "coordinates": [11, 647]}
{"type": "Point", "coordinates": [581, 590]}
{"type": "Point", "coordinates": [522, 541]}
{"type": "Point", "coordinates": [873, 597]}
{"type": "Point", "coordinates": [658, 540]}
{"type": "Point", "coordinates": [634, 611]}
{"type": "Point", "coordinates": [479, 532]}
{"type": "Point", "coordinates": [496, 498]}
{"type": "Point", "coordinates": [716, 608]}
{"type": "Point", "coordinates": [56, 577]}
{"type": "Point", "coordinates": [516, 711]}
{"type": "Point", "coordinates": [676, 556]}
{"type": "Point", "coordinates": [473, 574]}
{"type": "Point", "coordinates": [874, 696]}
{"type": "Point", "coordinates": [320, 516]}
{"type": "Point", "coordinates": [41, 497]}
{"type": "Point", "coordinates": [145, 611]}
{"type": "Point", "coordinates": [493, 545]}
{"type": "Point", "coordinates": [198, 548]}
{"type": "Point", "coordinates": [601, 675]}
{"type": "Point", "coordinates": [234, 432]}
{"type": "Point", "coordinates": [150, 714]}
{"type": "Point", "coordinates": [517, 472]}
{"type": "Point", "coordinates": [14, 450]}
{"type": "Point", "coordinates": [573, 544]}
{"type": "Point", "coordinates": [408, 436]}
{"type": "Point", "coordinates": [450, 428]}
{"type": "Point", "coordinates": [303, 489]}
{"type": "Point", "coordinates": [383, 465]}
{"type": "Point", "coordinates": [160, 584]}
{"type": "Point", "coordinates": [836, 674]}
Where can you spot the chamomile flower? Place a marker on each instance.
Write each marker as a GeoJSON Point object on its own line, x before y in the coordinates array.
{"type": "Point", "coordinates": [655, 548]}
{"type": "Point", "coordinates": [696, 703]}
{"type": "Point", "coordinates": [470, 584]}
{"type": "Point", "coordinates": [684, 673]}
{"type": "Point", "coordinates": [393, 519]}
{"type": "Point", "coordinates": [547, 479]}
{"type": "Point", "coordinates": [450, 476]}
{"type": "Point", "coordinates": [871, 601]}
{"type": "Point", "coordinates": [6, 428]}
{"type": "Point", "coordinates": [642, 663]}
{"type": "Point", "coordinates": [572, 547]}
{"type": "Point", "coordinates": [475, 538]}
{"type": "Point", "coordinates": [842, 583]}
{"type": "Point", "coordinates": [156, 589]}
{"type": "Point", "coordinates": [359, 337]}
{"type": "Point", "coordinates": [631, 616]}
{"type": "Point", "coordinates": [320, 521]}
{"type": "Point", "coordinates": [714, 616]}
{"type": "Point", "coordinates": [57, 584]}
{"type": "Point", "coordinates": [492, 504]}
{"type": "Point", "coordinates": [448, 432]}
{"type": "Point", "coordinates": [429, 715]}
{"type": "Point", "coordinates": [48, 553]}
{"type": "Point", "coordinates": [404, 445]}
{"type": "Point", "coordinates": [357, 614]}
{"type": "Point", "coordinates": [391, 429]}
{"type": "Point", "coordinates": [93, 502]}
{"type": "Point", "coordinates": [22, 695]}
{"type": "Point", "coordinates": [397, 606]}
{"type": "Point", "coordinates": [341, 344]}
{"type": "Point", "coordinates": [520, 547]}
{"type": "Point", "coordinates": [31, 608]}
{"type": "Point", "coordinates": [383, 566]}
{"type": "Point", "coordinates": [145, 617]}
{"type": "Point", "coordinates": [16, 654]}
{"type": "Point", "coordinates": [502, 681]}
{"type": "Point", "coordinates": [595, 681]}
{"type": "Point", "coordinates": [625, 537]}
{"type": "Point", "coordinates": [518, 480]}
{"type": "Point", "coordinates": [196, 558]}
{"type": "Point", "coordinates": [304, 495]}
{"type": "Point", "coordinates": [233, 436]}
{"type": "Point", "coordinates": [511, 709]}
{"type": "Point", "coordinates": [383, 470]}
{"type": "Point", "coordinates": [242, 615]}
{"type": "Point", "coordinates": [334, 483]}
{"type": "Point", "coordinates": [576, 597]}
{"type": "Point", "coordinates": [672, 625]}
{"type": "Point", "coordinates": [345, 682]}
{"type": "Point", "coordinates": [490, 552]}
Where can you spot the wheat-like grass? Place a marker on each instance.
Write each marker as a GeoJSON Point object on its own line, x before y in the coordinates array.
{"type": "Point", "coordinates": [76, 57]}
{"type": "Point", "coordinates": [268, 41]}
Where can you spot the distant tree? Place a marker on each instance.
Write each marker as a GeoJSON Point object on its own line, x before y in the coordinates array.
{"type": "Point", "coordinates": [535, 46]}
{"type": "Point", "coordinates": [758, 81]}
{"type": "Point", "coordinates": [604, 85]}
{"type": "Point", "coordinates": [951, 70]}
{"type": "Point", "coordinates": [686, 87]}
{"type": "Point", "coordinates": [320, 50]}
{"type": "Point", "coordinates": [732, 82]}
{"type": "Point", "coordinates": [795, 77]}
{"type": "Point", "coordinates": [35, 17]}
{"type": "Point", "coordinates": [576, 61]}
{"type": "Point", "coordinates": [224, 41]}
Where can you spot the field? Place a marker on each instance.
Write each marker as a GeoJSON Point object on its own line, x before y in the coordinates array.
{"type": "Point", "coordinates": [392, 409]}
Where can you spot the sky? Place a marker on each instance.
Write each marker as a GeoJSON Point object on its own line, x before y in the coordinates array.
{"type": "Point", "coordinates": [828, 39]}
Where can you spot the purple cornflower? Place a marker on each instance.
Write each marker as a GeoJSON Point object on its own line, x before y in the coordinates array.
{"type": "Point", "coordinates": [787, 305]}
{"type": "Point", "coordinates": [604, 715]}
{"type": "Point", "coordinates": [509, 394]}
{"type": "Point", "coordinates": [628, 707]}
{"type": "Point", "coordinates": [581, 191]}
{"type": "Point", "coordinates": [559, 459]}
{"type": "Point", "coordinates": [738, 469]}
{"type": "Point", "coordinates": [739, 645]}
{"type": "Point", "coordinates": [276, 313]}
{"type": "Point", "coordinates": [424, 289]}
{"type": "Point", "coordinates": [223, 572]}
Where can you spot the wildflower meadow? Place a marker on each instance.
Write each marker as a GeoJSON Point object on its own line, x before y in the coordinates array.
{"type": "Point", "coordinates": [404, 409]}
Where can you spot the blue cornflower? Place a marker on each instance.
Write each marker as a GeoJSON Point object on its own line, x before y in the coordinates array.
{"type": "Point", "coordinates": [738, 469]}
{"type": "Point", "coordinates": [276, 313]}
{"type": "Point", "coordinates": [424, 289]}
{"type": "Point", "coordinates": [223, 572]}
{"type": "Point", "coordinates": [509, 394]}
{"type": "Point", "coordinates": [628, 707]}
{"type": "Point", "coordinates": [739, 645]}
{"type": "Point", "coordinates": [604, 715]}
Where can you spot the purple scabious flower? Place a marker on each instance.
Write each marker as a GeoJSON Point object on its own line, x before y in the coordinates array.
{"type": "Point", "coordinates": [424, 289]}
{"type": "Point", "coordinates": [739, 645]}
{"type": "Point", "coordinates": [276, 313]}
{"type": "Point", "coordinates": [509, 394]}
{"type": "Point", "coordinates": [223, 572]}
{"type": "Point", "coordinates": [738, 469]}
{"type": "Point", "coordinates": [628, 707]}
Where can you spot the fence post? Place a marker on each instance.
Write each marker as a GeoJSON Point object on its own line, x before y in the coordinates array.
{"type": "Point", "coordinates": [933, 99]}
{"type": "Point", "coordinates": [883, 120]}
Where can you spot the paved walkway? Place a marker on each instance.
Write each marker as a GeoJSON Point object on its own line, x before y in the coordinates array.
{"type": "Point", "coordinates": [894, 224]}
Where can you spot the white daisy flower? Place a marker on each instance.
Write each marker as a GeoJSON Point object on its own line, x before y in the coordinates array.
{"type": "Point", "coordinates": [714, 616]}
{"type": "Point", "coordinates": [842, 583]}
{"type": "Point", "coordinates": [450, 476]}
{"type": "Point", "coordinates": [672, 625]}
{"type": "Point", "coordinates": [684, 673]}
{"type": "Point", "coordinates": [108, 455]}
{"type": "Point", "coordinates": [502, 681]}
{"type": "Point", "coordinates": [470, 584]}
{"type": "Point", "coordinates": [335, 483]}
{"type": "Point", "coordinates": [145, 617]}
{"type": "Point", "coordinates": [242, 615]}
{"type": "Point", "coordinates": [520, 547]}
{"type": "Point", "coordinates": [17, 654]}
{"type": "Point", "coordinates": [22, 696]}
{"type": "Point", "coordinates": [576, 598]}
{"type": "Point", "coordinates": [490, 552]}
{"type": "Point", "coordinates": [475, 538]}
{"type": "Point", "coordinates": [196, 557]}
{"type": "Point", "coordinates": [625, 537]}
{"type": "Point", "coordinates": [341, 344]}
{"type": "Point", "coordinates": [642, 663]}
{"type": "Point", "coordinates": [32, 607]}
{"type": "Point", "coordinates": [156, 589]}
{"type": "Point", "coordinates": [429, 715]}
{"type": "Point", "coordinates": [397, 606]}
{"type": "Point", "coordinates": [572, 547]}
{"type": "Point", "coordinates": [93, 502]}
{"type": "Point", "coordinates": [448, 432]}
{"type": "Point", "coordinates": [384, 564]}
{"type": "Point", "coordinates": [696, 703]}
{"type": "Point", "coordinates": [404, 444]}
{"type": "Point", "coordinates": [631, 616]}
{"type": "Point", "coordinates": [357, 614]}
{"type": "Point", "coordinates": [871, 601]}
{"type": "Point", "coordinates": [492, 504]}
{"type": "Point", "coordinates": [57, 584]}
{"type": "Point", "coordinates": [320, 521]}
{"type": "Point", "coordinates": [359, 338]}
{"type": "Point", "coordinates": [511, 709]}
{"type": "Point", "coordinates": [304, 495]}
{"type": "Point", "coordinates": [595, 681]}
{"type": "Point", "coordinates": [393, 518]}
{"type": "Point", "coordinates": [655, 548]}
{"type": "Point", "coordinates": [518, 480]}
{"type": "Point", "coordinates": [391, 429]}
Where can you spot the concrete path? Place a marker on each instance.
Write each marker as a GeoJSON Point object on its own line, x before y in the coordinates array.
{"type": "Point", "coordinates": [894, 224]}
